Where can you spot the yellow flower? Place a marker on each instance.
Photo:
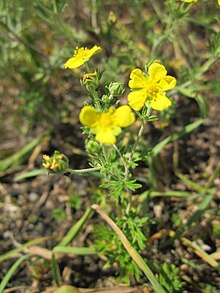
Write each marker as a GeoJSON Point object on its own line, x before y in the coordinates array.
{"type": "Point", "coordinates": [150, 89]}
{"type": "Point", "coordinates": [107, 125]}
{"type": "Point", "coordinates": [195, 1]}
{"type": "Point", "coordinates": [80, 56]}
{"type": "Point", "coordinates": [190, 1]}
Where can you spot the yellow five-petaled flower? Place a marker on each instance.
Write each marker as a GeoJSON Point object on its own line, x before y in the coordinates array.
{"type": "Point", "coordinates": [80, 56]}
{"type": "Point", "coordinates": [190, 1]}
{"type": "Point", "coordinates": [107, 125]}
{"type": "Point", "coordinates": [150, 89]}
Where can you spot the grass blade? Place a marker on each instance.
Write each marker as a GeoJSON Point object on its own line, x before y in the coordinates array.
{"type": "Point", "coordinates": [32, 173]}
{"type": "Point", "coordinates": [75, 250]}
{"type": "Point", "coordinates": [13, 252]}
{"type": "Point", "coordinates": [192, 219]}
{"type": "Point", "coordinates": [191, 183]}
{"type": "Point", "coordinates": [16, 159]}
{"type": "Point", "coordinates": [205, 256]}
{"type": "Point", "coordinates": [76, 228]}
{"type": "Point", "coordinates": [55, 271]}
{"type": "Point", "coordinates": [11, 271]}
{"type": "Point", "coordinates": [187, 129]}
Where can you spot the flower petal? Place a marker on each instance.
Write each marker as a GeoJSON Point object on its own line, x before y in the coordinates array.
{"type": "Point", "coordinates": [157, 71]}
{"type": "Point", "coordinates": [160, 103]}
{"type": "Point", "coordinates": [89, 116]}
{"type": "Point", "coordinates": [116, 130]}
{"type": "Point", "coordinates": [167, 83]}
{"type": "Point", "coordinates": [93, 51]}
{"type": "Point", "coordinates": [190, 1]}
{"type": "Point", "coordinates": [106, 136]}
{"type": "Point", "coordinates": [124, 116]}
{"type": "Point", "coordinates": [81, 55]}
{"type": "Point", "coordinates": [137, 79]}
{"type": "Point", "coordinates": [73, 62]}
{"type": "Point", "coordinates": [136, 99]}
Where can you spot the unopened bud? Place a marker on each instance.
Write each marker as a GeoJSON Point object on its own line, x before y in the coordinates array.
{"type": "Point", "coordinates": [57, 162]}
{"type": "Point", "coordinates": [116, 88]}
{"type": "Point", "coordinates": [90, 80]}
{"type": "Point", "coordinates": [112, 17]}
{"type": "Point", "coordinates": [92, 147]}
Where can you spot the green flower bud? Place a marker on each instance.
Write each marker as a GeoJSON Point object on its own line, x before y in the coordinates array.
{"type": "Point", "coordinates": [90, 80]}
{"type": "Point", "coordinates": [105, 98]}
{"type": "Point", "coordinates": [116, 88]}
{"type": "Point", "coordinates": [93, 147]}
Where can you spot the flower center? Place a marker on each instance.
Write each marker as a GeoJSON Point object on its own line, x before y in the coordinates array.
{"type": "Point", "coordinates": [81, 53]}
{"type": "Point", "coordinates": [152, 89]}
{"type": "Point", "coordinates": [105, 120]}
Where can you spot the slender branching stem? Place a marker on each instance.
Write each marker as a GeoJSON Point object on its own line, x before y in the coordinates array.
{"type": "Point", "coordinates": [122, 159]}
{"type": "Point", "coordinates": [126, 177]}
{"type": "Point", "coordinates": [87, 67]}
{"type": "Point", "coordinates": [139, 135]}
{"type": "Point", "coordinates": [82, 171]}
{"type": "Point", "coordinates": [131, 156]}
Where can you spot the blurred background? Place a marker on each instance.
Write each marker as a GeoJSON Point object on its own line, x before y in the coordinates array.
{"type": "Point", "coordinates": [40, 102]}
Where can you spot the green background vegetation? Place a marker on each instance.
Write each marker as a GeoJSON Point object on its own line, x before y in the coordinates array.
{"type": "Point", "coordinates": [40, 103]}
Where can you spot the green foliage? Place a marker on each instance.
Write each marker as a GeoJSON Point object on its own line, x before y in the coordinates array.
{"type": "Point", "coordinates": [208, 288]}
{"type": "Point", "coordinates": [132, 226]}
{"type": "Point", "coordinates": [169, 278]}
{"type": "Point", "coordinates": [176, 219]}
{"type": "Point", "coordinates": [108, 244]}
{"type": "Point", "coordinates": [75, 201]}
{"type": "Point", "coordinates": [214, 45]}
{"type": "Point", "coordinates": [58, 214]}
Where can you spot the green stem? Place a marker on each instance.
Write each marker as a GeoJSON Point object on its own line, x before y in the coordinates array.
{"type": "Point", "coordinates": [136, 142]}
{"type": "Point", "coordinates": [132, 154]}
{"type": "Point", "coordinates": [126, 177]}
{"type": "Point", "coordinates": [83, 171]}
{"type": "Point", "coordinates": [129, 201]}
{"type": "Point", "coordinates": [87, 67]}
{"type": "Point", "coordinates": [139, 135]}
{"type": "Point", "coordinates": [123, 161]}
{"type": "Point", "coordinates": [94, 16]}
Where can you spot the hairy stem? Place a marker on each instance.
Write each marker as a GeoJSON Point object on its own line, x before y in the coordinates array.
{"type": "Point", "coordinates": [82, 171]}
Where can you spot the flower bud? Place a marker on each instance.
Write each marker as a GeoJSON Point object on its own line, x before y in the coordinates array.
{"type": "Point", "coordinates": [105, 99]}
{"type": "Point", "coordinates": [55, 163]}
{"type": "Point", "coordinates": [90, 80]}
{"type": "Point", "coordinates": [112, 17]}
{"type": "Point", "coordinates": [116, 88]}
{"type": "Point", "coordinates": [93, 147]}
